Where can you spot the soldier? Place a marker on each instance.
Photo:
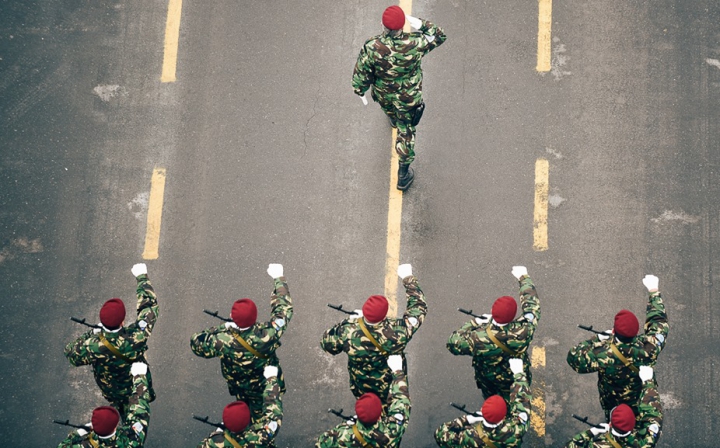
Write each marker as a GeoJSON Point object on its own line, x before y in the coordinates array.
{"type": "Point", "coordinates": [492, 344]}
{"type": "Point", "coordinates": [616, 356]}
{"type": "Point", "coordinates": [372, 426]}
{"type": "Point", "coordinates": [246, 347]}
{"type": "Point", "coordinates": [368, 337]}
{"type": "Point", "coordinates": [495, 427]}
{"type": "Point", "coordinates": [107, 432]}
{"type": "Point", "coordinates": [391, 64]}
{"type": "Point", "coordinates": [112, 349]}
{"type": "Point", "coordinates": [625, 429]}
{"type": "Point", "coordinates": [242, 431]}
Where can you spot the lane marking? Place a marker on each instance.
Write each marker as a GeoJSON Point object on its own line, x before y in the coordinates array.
{"type": "Point", "coordinates": [542, 186]}
{"type": "Point", "coordinates": [537, 412]}
{"type": "Point", "coordinates": [154, 217]}
{"type": "Point", "coordinates": [172, 38]}
{"type": "Point", "coordinates": [544, 35]}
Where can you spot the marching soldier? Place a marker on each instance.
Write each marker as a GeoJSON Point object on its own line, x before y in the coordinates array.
{"type": "Point", "coordinates": [369, 337]}
{"type": "Point", "coordinates": [113, 348]}
{"type": "Point", "coordinates": [245, 347]}
{"type": "Point", "coordinates": [617, 355]}
{"type": "Point", "coordinates": [106, 430]}
{"type": "Point", "coordinates": [391, 64]}
{"type": "Point", "coordinates": [372, 426]}
{"type": "Point", "coordinates": [625, 429]}
{"type": "Point", "coordinates": [240, 430]}
{"type": "Point", "coordinates": [493, 339]}
{"type": "Point", "coordinates": [495, 427]}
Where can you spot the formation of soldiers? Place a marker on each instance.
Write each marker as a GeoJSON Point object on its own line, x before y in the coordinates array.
{"type": "Point", "coordinates": [374, 342]}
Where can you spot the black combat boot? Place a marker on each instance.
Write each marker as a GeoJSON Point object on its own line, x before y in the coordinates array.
{"type": "Point", "coordinates": [405, 177]}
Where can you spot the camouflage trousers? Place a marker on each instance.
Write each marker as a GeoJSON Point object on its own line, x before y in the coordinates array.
{"type": "Point", "coordinates": [252, 394]}
{"type": "Point", "coordinates": [401, 120]}
{"type": "Point", "coordinates": [378, 382]}
{"type": "Point", "coordinates": [118, 392]}
{"type": "Point", "coordinates": [499, 383]}
{"type": "Point", "coordinates": [610, 397]}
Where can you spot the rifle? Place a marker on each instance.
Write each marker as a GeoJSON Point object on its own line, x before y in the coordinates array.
{"type": "Point", "coordinates": [215, 314]}
{"type": "Point", "coordinates": [82, 321]}
{"type": "Point", "coordinates": [469, 313]}
{"type": "Point", "coordinates": [585, 420]}
{"type": "Point", "coordinates": [67, 423]}
{"type": "Point", "coordinates": [340, 308]}
{"type": "Point", "coordinates": [340, 414]}
{"type": "Point", "coordinates": [208, 422]}
{"type": "Point", "coordinates": [590, 328]}
{"type": "Point", "coordinates": [461, 407]}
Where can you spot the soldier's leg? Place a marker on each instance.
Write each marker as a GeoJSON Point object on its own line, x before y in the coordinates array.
{"type": "Point", "coordinates": [608, 399]}
{"type": "Point", "coordinates": [405, 149]}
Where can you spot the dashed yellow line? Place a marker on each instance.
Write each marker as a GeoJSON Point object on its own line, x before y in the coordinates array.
{"type": "Point", "coordinates": [172, 38]}
{"type": "Point", "coordinates": [540, 216]}
{"type": "Point", "coordinates": [544, 35]}
{"type": "Point", "coordinates": [154, 217]}
{"type": "Point", "coordinates": [537, 414]}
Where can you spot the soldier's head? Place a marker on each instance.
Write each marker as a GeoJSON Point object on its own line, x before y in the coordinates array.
{"type": "Point", "coordinates": [104, 421]}
{"type": "Point", "coordinates": [375, 309]}
{"type": "Point", "coordinates": [368, 408]}
{"type": "Point", "coordinates": [626, 326]}
{"type": "Point", "coordinates": [393, 19]}
{"type": "Point", "coordinates": [244, 313]}
{"type": "Point", "coordinates": [504, 309]}
{"type": "Point", "coordinates": [622, 420]}
{"type": "Point", "coordinates": [494, 409]}
{"type": "Point", "coordinates": [112, 314]}
{"type": "Point", "coordinates": [236, 416]}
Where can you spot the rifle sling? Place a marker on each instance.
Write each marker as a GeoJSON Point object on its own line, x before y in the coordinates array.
{"type": "Point", "coordinates": [497, 342]}
{"type": "Point", "coordinates": [232, 441]}
{"type": "Point", "coordinates": [249, 348]}
{"type": "Point", "coordinates": [374, 341]}
{"type": "Point", "coordinates": [359, 436]}
{"type": "Point", "coordinates": [92, 441]}
{"type": "Point", "coordinates": [483, 436]}
{"type": "Point", "coordinates": [114, 349]}
{"type": "Point", "coordinates": [612, 441]}
{"type": "Point", "coordinates": [623, 359]}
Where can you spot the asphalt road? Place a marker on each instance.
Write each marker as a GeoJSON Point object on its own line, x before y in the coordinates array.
{"type": "Point", "coordinates": [271, 158]}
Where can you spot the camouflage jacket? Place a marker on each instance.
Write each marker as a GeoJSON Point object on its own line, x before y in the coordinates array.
{"type": "Point", "coordinates": [391, 65]}
{"type": "Point", "coordinates": [385, 433]}
{"type": "Point", "coordinates": [112, 373]}
{"type": "Point", "coordinates": [367, 365]}
{"type": "Point", "coordinates": [260, 433]}
{"type": "Point", "coordinates": [489, 360]}
{"type": "Point", "coordinates": [614, 377]}
{"type": "Point", "coordinates": [507, 434]}
{"type": "Point", "coordinates": [131, 434]}
{"type": "Point", "coordinates": [241, 368]}
{"type": "Point", "coordinates": [642, 436]}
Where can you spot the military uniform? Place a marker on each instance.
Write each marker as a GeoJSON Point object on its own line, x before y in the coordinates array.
{"type": "Point", "coordinates": [97, 347]}
{"type": "Point", "coordinates": [367, 364]}
{"type": "Point", "coordinates": [507, 434]}
{"type": "Point", "coordinates": [241, 368]}
{"type": "Point", "coordinates": [134, 430]}
{"type": "Point", "coordinates": [618, 383]}
{"type": "Point", "coordinates": [261, 432]}
{"type": "Point", "coordinates": [490, 361]}
{"type": "Point", "coordinates": [385, 433]}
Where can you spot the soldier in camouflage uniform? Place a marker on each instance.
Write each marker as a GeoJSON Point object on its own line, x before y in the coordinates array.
{"type": "Point", "coordinates": [618, 381]}
{"type": "Point", "coordinates": [106, 431]}
{"type": "Point", "coordinates": [490, 358]}
{"type": "Point", "coordinates": [625, 429]}
{"type": "Point", "coordinates": [240, 430]}
{"type": "Point", "coordinates": [367, 358]}
{"type": "Point", "coordinates": [494, 427]}
{"type": "Point", "coordinates": [245, 347]}
{"type": "Point", "coordinates": [113, 348]}
{"type": "Point", "coordinates": [373, 426]}
{"type": "Point", "coordinates": [391, 64]}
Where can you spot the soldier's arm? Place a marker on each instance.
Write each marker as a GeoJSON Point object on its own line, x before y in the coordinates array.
{"type": "Point", "coordinates": [206, 343]}
{"type": "Point", "coordinates": [529, 300]}
{"type": "Point", "coordinates": [582, 440]}
{"type": "Point", "coordinates": [341, 435]}
{"type": "Point", "coordinates": [71, 440]}
{"type": "Point", "coordinates": [583, 357]}
{"type": "Point", "coordinates": [147, 304]}
{"type": "Point", "coordinates": [520, 405]}
{"type": "Point", "coordinates": [656, 322]}
{"type": "Point", "coordinates": [333, 340]}
{"type": "Point", "coordinates": [363, 74]}
{"type": "Point", "coordinates": [399, 408]}
{"type": "Point", "coordinates": [416, 307]}
{"type": "Point", "coordinates": [461, 342]}
{"type": "Point", "coordinates": [138, 416]}
{"type": "Point", "coordinates": [282, 306]}
{"type": "Point", "coordinates": [77, 353]}
{"type": "Point", "coordinates": [266, 428]}
{"type": "Point", "coordinates": [650, 415]}
{"type": "Point", "coordinates": [435, 36]}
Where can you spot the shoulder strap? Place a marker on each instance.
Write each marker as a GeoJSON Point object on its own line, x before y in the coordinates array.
{"type": "Point", "coordinates": [249, 348]}
{"type": "Point", "coordinates": [92, 441]}
{"type": "Point", "coordinates": [359, 436]}
{"type": "Point", "coordinates": [497, 342]}
{"type": "Point", "coordinates": [374, 341]}
{"type": "Point", "coordinates": [483, 436]}
{"type": "Point", "coordinates": [232, 441]}
{"type": "Point", "coordinates": [114, 349]}
{"type": "Point", "coordinates": [623, 359]}
{"type": "Point", "coordinates": [612, 441]}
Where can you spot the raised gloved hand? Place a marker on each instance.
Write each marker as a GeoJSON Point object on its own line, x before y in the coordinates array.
{"type": "Point", "coordinates": [413, 21]}
{"type": "Point", "coordinates": [404, 270]}
{"type": "Point", "coordinates": [516, 365]}
{"type": "Point", "coordinates": [139, 269]}
{"type": "Point", "coordinates": [483, 319]}
{"type": "Point", "coordinates": [606, 336]}
{"type": "Point", "coordinates": [138, 368]}
{"type": "Point", "coordinates": [270, 371]}
{"type": "Point", "coordinates": [395, 362]}
{"type": "Point", "coordinates": [229, 325]}
{"type": "Point", "coordinates": [651, 282]}
{"type": "Point", "coordinates": [275, 270]}
{"type": "Point", "coordinates": [519, 271]}
{"type": "Point", "coordinates": [645, 373]}
{"type": "Point", "coordinates": [597, 431]}
{"type": "Point", "coordinates": [472, 419]}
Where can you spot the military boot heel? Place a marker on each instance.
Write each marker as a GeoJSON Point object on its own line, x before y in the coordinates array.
{"type": "Point", "coordinates": [405, 177]}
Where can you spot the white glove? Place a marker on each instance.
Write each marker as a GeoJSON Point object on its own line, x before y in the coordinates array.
{"type": "Point", "coordinates": [97, 330]}
{"type": "Point", "coordinates": [139, 269]}
{"type": "Point", "coordinates": [357, 314]}
{"type": "Point", "coordinates": [473, 419]}
{"type": "Point", "coordinates": [230, 325]}
{"type": "Point", "coordinates": [270, 371]}
{"type": "Point", "coordinates": [606, 336]}
{"type": "Point", "coordinates": [597, 431]}
{"type": "Point", "coordinates": [138, 368]}
{"type": "Point", "coordinates": [485, 318]}
{"type": "Point", "coordinates": [414, 21]}
{"type": "Point", "coordinates": [516, 365]}
{"type": "Point", "coordinates": [519, 271]}
{"type": "Point", "coordinates": [646, 373]}
{"type": "Point", "coordinates": [364, 100]}
{"type": "Point", "coordinates": [651, 282]}
{"type": "Point", "coordinates": [275, 270]}
{"type": "Point", "coordinates": [404, 270]}
{"type": "Point", "coordinates": [81, 432]}
{"type": "Point", "coordinates": [395, 362]}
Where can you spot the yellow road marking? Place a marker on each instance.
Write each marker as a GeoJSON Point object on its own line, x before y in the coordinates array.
{"type": "Point", "coordinates": [537, 414]}
{"type": "Point", "coordinates": [544, 35]}
{"type": "Point", "coordinates": [540, 231]}
{"type": "Point", "coordinates": [154, 217]}
{"type": "Point", "coordinates": [172, 37]}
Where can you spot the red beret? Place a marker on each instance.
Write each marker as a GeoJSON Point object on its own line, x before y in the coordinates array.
{"type": "Point", "coordinates": [494, 409]}
{"type": "Point", "coordinates": [393, 17]}
{"type": "Point", "coordinates": [622, 418]}
{"type": "Point", "coordinates": [244, 313]}
{"type": "Point", "coordinates": [368, 408]}
{"type": "Point", "coordinates": [375, 309]}
{"type": "Point", "coordinates": [236, 416]}
{"type": "Point", "coordinates": [112, 313]}
{"type": "Point", "coordinates": [504, 309]}
{"type": "Point", "coordinates": [626, 324]}
{"type": "Point", "coordinates": [104, 420]}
